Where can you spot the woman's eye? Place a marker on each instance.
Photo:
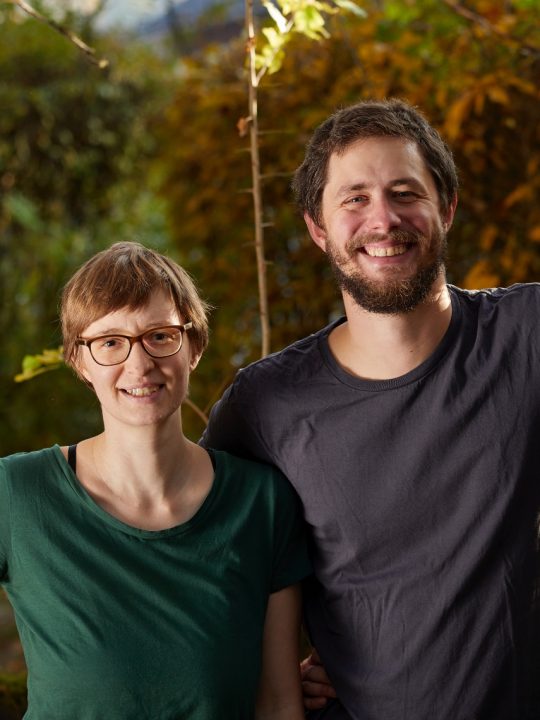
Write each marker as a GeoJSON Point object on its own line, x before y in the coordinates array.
{"type": "Point", "coordinates": [109, 342]}
{"type": "Point", "coordinates": [160, 337]}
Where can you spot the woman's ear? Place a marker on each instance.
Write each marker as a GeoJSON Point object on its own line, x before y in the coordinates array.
{"type": "Point", "coordinates": [194, 360]}
{"type": "Point", "coordinates": [79, 366]}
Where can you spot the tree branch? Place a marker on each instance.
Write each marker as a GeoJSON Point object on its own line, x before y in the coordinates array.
{"type": "Point", "coordinates": [197, 410]}
{"type": "Point", "coordinates": [253, 128]}
{"type": "Point", "coordinates": [88, 51]}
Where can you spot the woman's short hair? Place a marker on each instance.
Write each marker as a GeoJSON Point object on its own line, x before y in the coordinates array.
{"type": "Point", "coordinates": [125, 276]}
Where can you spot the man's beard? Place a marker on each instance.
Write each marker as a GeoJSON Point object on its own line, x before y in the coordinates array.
{"type": "Point", "coordinates": [392, 295]}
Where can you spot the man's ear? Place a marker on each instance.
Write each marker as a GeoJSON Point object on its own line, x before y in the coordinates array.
{"type": "Point", "coordinates": [318, 233]}
{"type": "Point", "coordinates": [449, 215]}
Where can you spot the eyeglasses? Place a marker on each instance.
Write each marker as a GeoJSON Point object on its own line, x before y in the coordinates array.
{"type": "Point", "coordinates": [158, 343]}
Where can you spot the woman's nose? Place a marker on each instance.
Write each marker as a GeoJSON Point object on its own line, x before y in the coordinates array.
{"type": "Point", "coordinates": [138, 359]}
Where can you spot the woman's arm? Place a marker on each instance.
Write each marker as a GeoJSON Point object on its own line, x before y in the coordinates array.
{"type": "Point", "coordinates": [280, 694]}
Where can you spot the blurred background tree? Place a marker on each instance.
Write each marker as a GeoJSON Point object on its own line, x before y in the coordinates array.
{"type": "Point", "coordinates": [149, 150]}
{"type": "Point", "coordinates": [75, 175]}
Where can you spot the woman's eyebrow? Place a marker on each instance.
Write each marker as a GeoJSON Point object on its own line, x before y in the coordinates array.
{"type": "Point", "coordinates": [122, 331]}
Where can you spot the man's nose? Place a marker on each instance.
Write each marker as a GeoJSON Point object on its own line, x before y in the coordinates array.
{"type": "Point", "coordinates": [382, 215]}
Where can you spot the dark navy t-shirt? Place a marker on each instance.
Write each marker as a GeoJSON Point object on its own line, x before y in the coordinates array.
{"type": "Point", "coordinates": [422, 494]}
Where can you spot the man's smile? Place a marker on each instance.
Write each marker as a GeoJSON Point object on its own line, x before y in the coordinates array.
{"type": "Point", "coordinates": [385, 251]}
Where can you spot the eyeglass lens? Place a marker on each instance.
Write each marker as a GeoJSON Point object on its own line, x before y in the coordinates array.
{"type": "Point", "coordinates": [114, 349]}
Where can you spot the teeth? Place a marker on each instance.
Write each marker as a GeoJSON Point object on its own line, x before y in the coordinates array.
{"type": "Point", "coordinates": [141, 392]}
{"type": "Point", "coordinates": [374, 251]}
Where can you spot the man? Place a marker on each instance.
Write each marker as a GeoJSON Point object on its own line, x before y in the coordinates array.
{"type": "Point", "coordinates": [410, 430]}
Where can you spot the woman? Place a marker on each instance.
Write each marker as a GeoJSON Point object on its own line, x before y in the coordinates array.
{"type": "Point", "coordinates": [149, 577]}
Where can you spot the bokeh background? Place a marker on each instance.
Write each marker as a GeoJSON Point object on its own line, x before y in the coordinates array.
{"type": "Point", "coordinates": [148, 149]}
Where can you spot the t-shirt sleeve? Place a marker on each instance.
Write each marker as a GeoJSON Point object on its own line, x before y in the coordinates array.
{"type": "Point", "coordinates": [4, 521]}
{"type": "Point", "coordinates": [233, 425]}
{"type": "Point", "coordinates": [291, 561]}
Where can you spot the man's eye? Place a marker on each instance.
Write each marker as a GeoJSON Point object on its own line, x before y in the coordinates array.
{"type": "Point", "coordinates": [356, 200]}
{"type": "Point", "coordinates": [405, 196]}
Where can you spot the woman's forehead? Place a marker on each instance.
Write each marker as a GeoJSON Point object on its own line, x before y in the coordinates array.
{"type": "Point", "coordinates": [159, 310]}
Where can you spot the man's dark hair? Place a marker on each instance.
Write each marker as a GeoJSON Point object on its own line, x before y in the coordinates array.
{"type": "Point", "coordinates": [377, 118]}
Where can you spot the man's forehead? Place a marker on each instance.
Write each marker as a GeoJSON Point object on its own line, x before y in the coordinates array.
{"type": "Point", "coordinates": [407, 181]}
{"type": "Point", "coordinates": [379, 145]}
{"type": "Point", "coordinates": [395, 160]}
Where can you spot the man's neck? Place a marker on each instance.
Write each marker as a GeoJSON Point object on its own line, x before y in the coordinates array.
{"type": "Point", "coordinates": [375, 346]}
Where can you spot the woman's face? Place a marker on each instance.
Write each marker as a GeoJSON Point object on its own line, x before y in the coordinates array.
{"type": "Point", "coordinates": [142, 390]}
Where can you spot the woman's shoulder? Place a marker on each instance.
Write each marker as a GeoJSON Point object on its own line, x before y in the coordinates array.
{"type": "Point", "coordinates": [242, 467]}
{"type": "Point", "coordinates": [29, 463]}
{"type": "Point", "coordinates": [254, 474]}
{"type": "Point", "coordinates": [248, 470]}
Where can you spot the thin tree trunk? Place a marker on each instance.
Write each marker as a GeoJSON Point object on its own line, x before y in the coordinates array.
{"type": "Point", "coordinates": [256, 183]}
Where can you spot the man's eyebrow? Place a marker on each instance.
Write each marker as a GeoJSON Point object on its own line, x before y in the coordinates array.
{"type": "Point", "coordinates": [359, 186]}
{"type": "Point", "coordinates": [355, 187]}
{"type": "Point", "coordinates": [415, 182]}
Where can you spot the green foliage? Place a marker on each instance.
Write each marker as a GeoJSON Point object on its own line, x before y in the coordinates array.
{"type": "Point", "coordinates": [75, 175]}
{"type": "Point", "coordinates": [304, 17]}
{"type": "Point", "coordinates": [33, 365]}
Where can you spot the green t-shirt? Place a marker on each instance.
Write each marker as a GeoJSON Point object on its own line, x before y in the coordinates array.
{"type": "Point", "coordinates": [119, 623]}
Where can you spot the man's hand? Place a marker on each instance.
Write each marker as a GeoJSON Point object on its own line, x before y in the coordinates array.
{"type": "Point", "coordinates": [316, 685]}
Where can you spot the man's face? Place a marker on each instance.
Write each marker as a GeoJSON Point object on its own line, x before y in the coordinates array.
{"type": "Point", "coordinates": [382, 226]}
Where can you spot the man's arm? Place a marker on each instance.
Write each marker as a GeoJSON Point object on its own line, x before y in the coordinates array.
{"type": "Point", "coordinates": [280, 694]}
{"type": "Point", "coordinates": [316, 685]}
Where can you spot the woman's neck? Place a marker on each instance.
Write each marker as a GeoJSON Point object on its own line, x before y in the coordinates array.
{"type": "Point", "coordinates": [150, 480]}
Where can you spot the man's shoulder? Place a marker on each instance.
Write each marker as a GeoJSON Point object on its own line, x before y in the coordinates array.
{"type": "Point", "coordinates": [511, 300]}
{"type": "Point", "coordinates": [299, 359]}
{"type": "Point", "coordinates": [517, 291]}
{"type": "Point", "coordinates": [260, 403]}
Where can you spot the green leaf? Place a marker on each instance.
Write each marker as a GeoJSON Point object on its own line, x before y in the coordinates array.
{"type": "Point", "coordinates": [277, 62]}
{"type": "Point", "coordinates": [33, 365]}
{"type": "Point", "coordinates": [30, 363]}
{"type": "Point", "coordinates": [275, 40]}
{"type": "Point", "coordinates": [351, 7]}
{"type": "Point", "coordinates": [24, 211]}
{"type": "Point", "coordinates": [22, 377]}
{"type": "Point", "coordinates": [310, 22]}
{"type": "Point", "coordinates": [276, 15]}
